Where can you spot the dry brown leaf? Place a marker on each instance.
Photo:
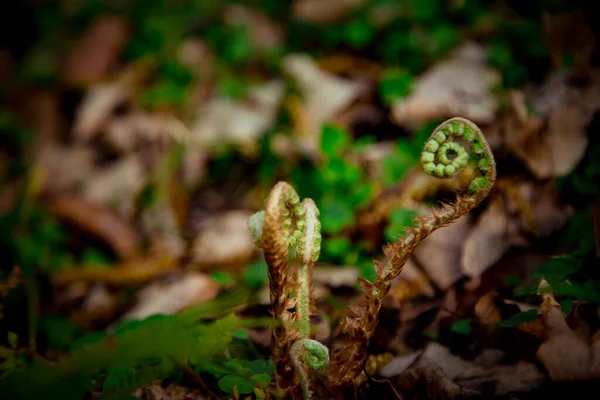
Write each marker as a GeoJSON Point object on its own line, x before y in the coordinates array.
{"type": "Point", "coordinates": [197, 55]}
{"type": "Point", "coordinates": [410, 284]}
{"type": "Point", "coordinates": [130, 272]}
{"type": "Point", "coordinates": [549, 214]}
{"type": "Point", "coordinates": [116, 184]}
{"type": "Point", "coordinates": [500, 380]}
{"type": "Point", "coordinates": [399, 364]}
{"type": "Point", "coordinates": [97, 106]}
{"type": "Point", "coordinates": [103, 98]}
{"type": "Point", "coordinates": [40, 111]}
{"type": "Point", "coordinates": [323, 95]}
{"type": "Point", "coordinates": [323, 11]}
{"type": "Point", "coordinates": [264, 33]}
{"type": "Point", "coordinates": [460, 85]}
{"type": "Point", "coordinates": [99, 220]}
{"type": "Point", "coordinates": [440, 253]}
{"type": "Point", "coordinates": [564, 354]}
{"type": "Point", "coordinates": [241, 122]}
{"type": "Point", "coordinates": [551, 141]}
{"type": "Point", "coordinates": [173, 296]}
{"type": "Point", "coordinates": [488, 241]}
{"type": "Point", "coordinates": [160, 223]}
{"type": "Point", "coordinates": [224, 241]}
{"type": "Point", "coordinates": [335, 276]}
{"type": "Point", "coordinates": [96, 51]}
{"type": "Point", "coordinates": [65, 167]}
{"type": "Point", "coordinates": [442, 356]}
{"type": "Point", "coordinates": [430, 382]}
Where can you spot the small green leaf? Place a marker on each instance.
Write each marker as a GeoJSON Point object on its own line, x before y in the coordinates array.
{"type": "Point", "coordinates": [394, 85]}
{"type": "Point", "coordinates": [255, 275]}
{"type": "Point", "coordinates": [334, 140]}
{"type": "Point", "coordinates": [337, 246]}
{"type": "Point", "coordinates": [228, 382]}
{"type": "Point", "coordinates": [240, 334]}
{"type": "Point", "coordinates": [462, 326]}
{"type": "Point", "coordinates": [223, 278]}
{"type": "Point", "coordinates": [519, 318]}
{"type": "Point", "coordinates": [261, 380]}
{"type": "Point", "coordinates": [336, 216]}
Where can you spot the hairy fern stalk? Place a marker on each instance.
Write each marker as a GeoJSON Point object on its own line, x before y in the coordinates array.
{"type": "Point", "coordinates": [289, 232]}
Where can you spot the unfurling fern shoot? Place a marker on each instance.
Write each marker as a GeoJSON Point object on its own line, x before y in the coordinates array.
{"type": "Point", "coordinates": [443, 156]}
{"type": "Point", "coordinates": [289, 231]}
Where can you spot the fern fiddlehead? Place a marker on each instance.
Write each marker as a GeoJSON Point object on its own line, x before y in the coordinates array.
{"type": "Point", "coordinates": [444, 157]}
{"type": "Point", "coordinates": [288, 230]}
{"type": "Point", "coordinates": [308, 353]}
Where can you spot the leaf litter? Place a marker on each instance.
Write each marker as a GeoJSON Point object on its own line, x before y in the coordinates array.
{"type": "Point", "coordinates": [162, 194]}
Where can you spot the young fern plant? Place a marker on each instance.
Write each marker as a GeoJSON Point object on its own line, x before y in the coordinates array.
{"type": "Point", "coordinates": [287, 226]}
{"type": "Point", "coordinates": [289, 232]}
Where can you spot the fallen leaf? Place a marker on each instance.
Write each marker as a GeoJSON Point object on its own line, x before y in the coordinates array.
{"type": "Point", "coordinates": [65, 167]}
{"type": "Point", "coordinates": [238, 122]}
{"type": "Point", "coordinates": [323, 96]}
{"type": "Point", "coordinates": [225, 241]}
{"type": "Point", "coordinates": [264, 33]}
{"type": "Point", "coordinates": [500, 380]}
{"type": "Point", "coordinates": [173, 296]}
{"type": "Point", "coordinates": [130, 272]}
{"type": "Point", "coordinates": [442, 357]}
{"type": "Point", "coordinates": [430, 382]}
{"type": "Point", "coordinates": [103, 98]}
{"type": "Point", "coordinates": [98, 220]}
{"type": "Point", "coordinates": [410, 284]}
{"type": "Point", "coordinates": [552, 139]}
{"type": "Point", "coordinates": [563, 353]}
{"type": "Point", "coordinates": [323, 11]}
{"type": "Point", "coordinates": [399, 364]}
{"type": "Point", "coordinates": [335, 276]}
{"type": "Point", "coordinates": [161, 225]}
{"type": "Point", "coordinates": [460, 85]}
{"type": "Point", "coordinates": [493, 234]}
{"type": "Point", "coordinates": [96, 51]}
{"type": "Point", "coordinates": [116, 184]}
{"type": "Point", "coordinates": [440, 253]}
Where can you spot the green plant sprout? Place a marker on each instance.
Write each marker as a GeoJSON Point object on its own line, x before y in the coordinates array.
{"type": "Point", "coordinates": [287, 231]}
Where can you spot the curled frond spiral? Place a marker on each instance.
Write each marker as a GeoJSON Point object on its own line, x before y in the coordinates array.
{"type": "Point", "coordinates": [443, 156]}
{"type": "Point", "coordinates": [309, 353]}
{"type": "Point", "coordinates": [288, 231]}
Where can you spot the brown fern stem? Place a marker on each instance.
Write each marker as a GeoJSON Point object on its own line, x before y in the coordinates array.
{"type": "Point", "coordinates": [275, 242]}
{"type": "Point", "coordinates": [358, 324]}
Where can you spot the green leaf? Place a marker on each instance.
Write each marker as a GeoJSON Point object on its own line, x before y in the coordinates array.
{"type": "Point", "coordinates": [228, 382]}
{"type": "Point", "coordinates": [337, 246]}
{"type": "Point", "coordinates": [223, 278]}
{"type": "Point", "coordinates": [334, 140]}
{"type": "Point", "coordinates": [519, 318]}
{"type": "Point", "coordinates": [261, 380]}
{"type": "Point", "coordinates": [240, 334]}
{"type": "Point", "coordinates": [400, 219]}
{"type": "Point", "coordinates": [336, 216]}
{"type": "Point", "coordinates": [557, 269]}
{"type": "Point", "coordinates": [255, 275]}
{"type": "Point", "coordinates": [395, 84]}
{"type": "Point", "coordinates": [462, 326]}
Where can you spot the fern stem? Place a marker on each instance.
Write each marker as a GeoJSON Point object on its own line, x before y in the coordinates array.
{"type": "Point", "coordinates": [444, 157]}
